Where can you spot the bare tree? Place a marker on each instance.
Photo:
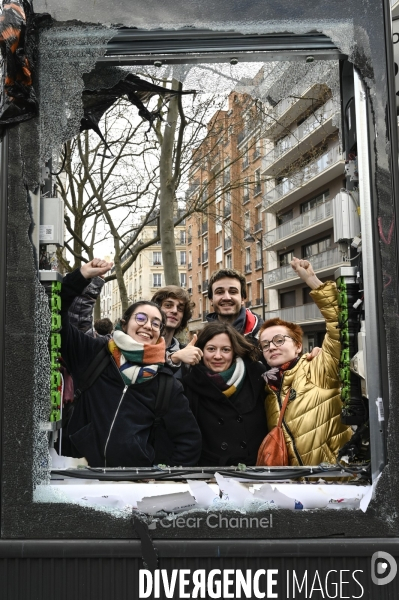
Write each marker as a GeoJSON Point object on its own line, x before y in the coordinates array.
{"type": "Point", "coordinates": [113, 196]}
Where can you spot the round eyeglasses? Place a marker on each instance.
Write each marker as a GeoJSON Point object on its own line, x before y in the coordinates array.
{"type": "Point", "coordinates": [278, 340]}
{"type": "Point", "coordinates": [142, 318]}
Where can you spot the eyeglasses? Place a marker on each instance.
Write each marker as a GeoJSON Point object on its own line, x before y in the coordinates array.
{"type": "Point", "coordinates": [142, 318]}
{"type": "Point", "coordinates": [278, 340]}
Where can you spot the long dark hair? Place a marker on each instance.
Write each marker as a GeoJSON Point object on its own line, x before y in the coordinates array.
{"type": "Point", "coordinates": [130, 310]}
{"type": "Point", "coordinates": [241, 347]}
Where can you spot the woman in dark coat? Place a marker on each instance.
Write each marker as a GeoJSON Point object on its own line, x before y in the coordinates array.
{"type": "Point", "coordinates": [113, 422]}
{"type": "Point", "coordinates": [226, 392]}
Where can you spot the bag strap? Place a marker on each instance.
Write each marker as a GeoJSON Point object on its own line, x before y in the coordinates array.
{"type": "Point", "coordinates": [162, 401]}
{"type": "Point", "coordinates": [284, 406]}
{"type": "Point", "coordinates": [94, 370]}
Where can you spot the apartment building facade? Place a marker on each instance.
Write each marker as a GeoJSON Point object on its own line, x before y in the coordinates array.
{"type": "Point", "coordinates": [278, 176]}
{"type": "Point", "coordinates": [228, 233]}
{"type": "Point", "coordinates": [308, 171]}
{"type": "Point", "coordinates": [145, 275]}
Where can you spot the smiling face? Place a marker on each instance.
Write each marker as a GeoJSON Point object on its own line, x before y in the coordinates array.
{"type": "Point", "coordinates": [218, 353]}
{"type": "Point", "coordinates": [145, 333]}
{"type": "Point", "coordinates": [226, 297]}
{"type": "Point", "coordinates": [276, 356]}
{"type": "Point", "coordinates": [174, 310]}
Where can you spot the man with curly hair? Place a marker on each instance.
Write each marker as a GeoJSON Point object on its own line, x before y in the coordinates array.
{"type": "Point", "coordinates": [175, 302]}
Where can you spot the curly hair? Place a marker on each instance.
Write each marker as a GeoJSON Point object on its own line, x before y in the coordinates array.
{"type": "Point", "coordinates": [177, 293]}
{"type": "Point", "coordinates": [295, 331]}
{"type": "Point", "coordinates": [241, 346]}
{"type": "Point", "coordinates": [231, 274]}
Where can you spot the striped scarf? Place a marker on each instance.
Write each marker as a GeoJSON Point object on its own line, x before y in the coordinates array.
{"type": "Point", "coordinates": [274, 376]}
{"type": "Point", "coordinates": [136, 362]}
{"type": "Point", "coordinates": [229, 382]}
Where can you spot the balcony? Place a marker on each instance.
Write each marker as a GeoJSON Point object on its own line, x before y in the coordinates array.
{"type": "Point", "coordinates": [258, 263]}
{"type": "Point", "coordinates": [156, 263]}
{"type": "Point", "coordinates": [247, 268]}
{"type": "Point", "coordinates": [204, 228]}
{"type": "Point", "coordinates": [248, 304]}
{"type": "Point", "coordinates": [245, 162]}
{"type": "Point", "coordinates": [204, 313]}
{"type": "Point", "coordinates": [307, 224]}
{"type": "Point", "coordinates": [199, 288]}
{"type": "Point", "coordinates": [205, 285]}
{"type": "Point", "coordinates": [227, 211]}
{"type": "Point", "coordinates": [255, 154]}
{"type": "Point", "coordinates": [317, 173]}
{"type": "Point", "coordinates": [258, 302]}
{"type": "Point", "coordinates": [258, 226]}
{"type": "Point", "coordinates": [199, 260]}
{"type": "Point", "coordinates": [304, 138]}
{"type": "Point", "coordinates": [189, 239]}
{"type": "Point", "coordinates": [306, 313]}
{"type": "Point", "coordinates": [257, 189]}
{"type": "Point", "coordinates": [324, 264]}
{"type": "Point", "coordinates": [190, 266]}
{"type": "Point", "coordinates": [204, 256]}
{"type": "Point", "coordinates": [289, 110]}
{"type": "Point", "coordinates": [245, 198]}
{"type": "Point", "coordinates": [227, 244]}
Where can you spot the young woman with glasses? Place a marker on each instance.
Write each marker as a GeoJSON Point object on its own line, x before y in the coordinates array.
{"type": "Point", "coordinates": [312, 420]}
{"type": "Point", "coordinates": [113, 421]}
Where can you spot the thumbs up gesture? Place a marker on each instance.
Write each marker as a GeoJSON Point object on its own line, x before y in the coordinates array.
{"type": "Point", "coordinates": [190, 355]}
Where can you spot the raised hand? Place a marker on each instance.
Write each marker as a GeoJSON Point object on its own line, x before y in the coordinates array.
{"type": "Point", "coordinates": [95, 267]}
{"type": "Point", "coordinates": [304, 270]}
{"type": "Point", "coordinates": [190, 355]}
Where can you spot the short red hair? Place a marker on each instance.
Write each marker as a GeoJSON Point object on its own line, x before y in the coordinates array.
{"type": "Point", "coordinates": [294, 330]}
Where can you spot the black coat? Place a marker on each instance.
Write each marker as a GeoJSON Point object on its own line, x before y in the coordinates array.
{"type": "Point", "coordinates": [232, 428]}
{"type": "Point", "coordinates": [112, 423]}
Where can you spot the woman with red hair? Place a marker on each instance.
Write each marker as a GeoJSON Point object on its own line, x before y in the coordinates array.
{"type": "Point", "coordinates": [312, 420]}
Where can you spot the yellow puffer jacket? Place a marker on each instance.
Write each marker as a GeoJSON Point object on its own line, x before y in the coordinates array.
{"type": "Point", "coordinates": [312, 424]}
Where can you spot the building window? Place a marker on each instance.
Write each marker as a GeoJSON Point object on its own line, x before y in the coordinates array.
{"type": "Point", "coordinates": [285, 217]}
{"type": "Point", "coordinates": [157, 280]}
{"type": "Point", "coordinates": [182, 237]}
{"type": "Point", "coordinates": [157, 258]}
{"type": "Point", "coordinates": [247, 260]}
{"type": "Point", "coordinates": [258, 184]}
{"type": "Point", "coordinates": [316, 247]}
{"type": "Point", "coordinates": [313, 202]}
{"type": "Point", "coordinates": [229, 261]}
{"type": "Point", "coordinates": [245, 197]}
{"type": "Point", "coordinates": [183, 280]}
{"type": "Point", "coordinates": [287, 299]}
{"type": "Point", "coordinates": [249, 295]}
{"type": "Point", "coordinates": [286, 258]}
{"type": "Point", "coordinates": [182, 257]}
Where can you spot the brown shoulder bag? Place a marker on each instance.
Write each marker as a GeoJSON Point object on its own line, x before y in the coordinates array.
{"type": "Point", "coordinates": [273, 449]}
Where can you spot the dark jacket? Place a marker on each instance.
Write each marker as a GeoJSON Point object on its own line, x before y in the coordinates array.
{"type": "Point", "coordinates": [81, 308]}
{"type": "Point", "coordinates": [232, 428]}
{"type": "Point", "coordinates": [112, 423]}
{"type": "Point", "coordinates": [247, 323]}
